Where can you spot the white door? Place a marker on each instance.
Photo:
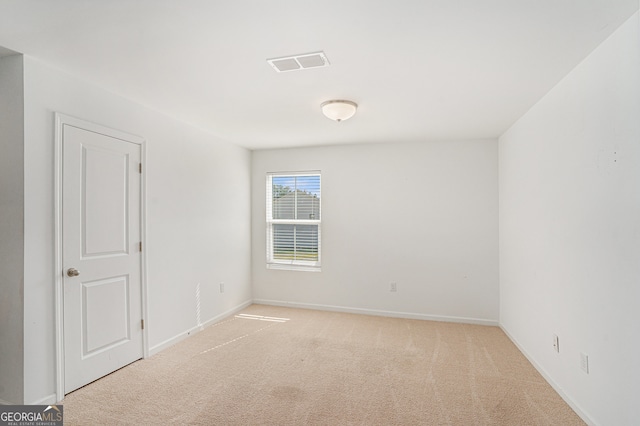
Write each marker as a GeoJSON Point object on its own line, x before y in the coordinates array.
{"type": "Point", "coordinates": [101, 254]}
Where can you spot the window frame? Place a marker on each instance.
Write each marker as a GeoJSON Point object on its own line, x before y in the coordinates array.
{"type": "Point", "coordinates": [293, 264]}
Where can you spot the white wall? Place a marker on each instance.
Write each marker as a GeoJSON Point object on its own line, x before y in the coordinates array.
{"type": "Point", "coordinates": [570, 231]}
{"type": "Point", "coordinates": [198, 208]}
{"type": "Point", "coordinates": [421, 215]}
{"type": "Point", "coordinates": [11, 228]}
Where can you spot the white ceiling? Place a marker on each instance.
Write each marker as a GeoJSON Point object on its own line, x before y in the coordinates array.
{"type": "Point", "coordinates": [6, 52]}
{"type": "Point", "coordinates": [419, 69]}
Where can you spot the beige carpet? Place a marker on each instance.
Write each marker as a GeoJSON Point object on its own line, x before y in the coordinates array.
{"type": "Point", "coordinates": [325, 368]}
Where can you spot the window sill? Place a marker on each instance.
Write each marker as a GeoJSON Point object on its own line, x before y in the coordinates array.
{"type": "Point", "coordinates": [289, 267]}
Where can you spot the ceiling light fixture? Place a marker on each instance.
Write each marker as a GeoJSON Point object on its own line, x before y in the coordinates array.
{"type": "Point", "coordinates": [339, 110]}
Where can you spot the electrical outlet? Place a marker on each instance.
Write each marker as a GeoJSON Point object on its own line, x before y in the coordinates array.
{"type": "Point", "coordinates": [393, 287]}
{"type": "Point", "coordinates": [221, 287]}
{"type": "Point", "coordinates": [556, 343]}
{"type": "Point", "coordinates": [584, 362]}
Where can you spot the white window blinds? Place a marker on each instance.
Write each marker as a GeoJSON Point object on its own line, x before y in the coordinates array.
{"type": "Point", "coordinates": [293, 220]}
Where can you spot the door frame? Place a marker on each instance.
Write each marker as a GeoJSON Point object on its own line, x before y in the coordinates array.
{"type": "Point", "coordinates": [60, 121]}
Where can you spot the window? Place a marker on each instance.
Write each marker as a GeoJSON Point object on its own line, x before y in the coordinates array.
{"type": "Point", "coordinates": [293, 221]}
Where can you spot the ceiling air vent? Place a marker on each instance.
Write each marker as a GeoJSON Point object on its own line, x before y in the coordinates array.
{"type": "Point", "coordinates": [299, 62]}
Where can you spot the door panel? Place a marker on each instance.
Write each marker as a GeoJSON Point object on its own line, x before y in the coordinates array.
{"type": "Point", "coordinates": [101, 231]}
{"type": "Point", "coordinates": [105, 204]}
{"type": "Point", "coordinates": [105, 314]}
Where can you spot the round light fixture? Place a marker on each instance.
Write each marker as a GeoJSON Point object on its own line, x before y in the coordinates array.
{"type": "Point", "coordinates": [339, 110]}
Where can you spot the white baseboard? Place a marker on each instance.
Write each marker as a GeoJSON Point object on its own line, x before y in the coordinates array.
{"type": "Point", "coordinates": [47, 400]}
{"type": "Point", "coordinates": [376, 312]}
{"type": "Point", "coordinates": [576, 407]}
{"type": "Point", "coordinates": [181, 336]}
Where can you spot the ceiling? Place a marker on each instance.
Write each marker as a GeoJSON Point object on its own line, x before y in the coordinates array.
{"type": "Point", "coordinates": [419, 69]}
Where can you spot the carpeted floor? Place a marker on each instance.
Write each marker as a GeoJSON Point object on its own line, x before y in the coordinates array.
{"type": "Point", "coordinates": [310, 367]}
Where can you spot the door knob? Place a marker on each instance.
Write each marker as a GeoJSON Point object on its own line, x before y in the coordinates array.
{"type": "Point", "coordinates": [73, 272]}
